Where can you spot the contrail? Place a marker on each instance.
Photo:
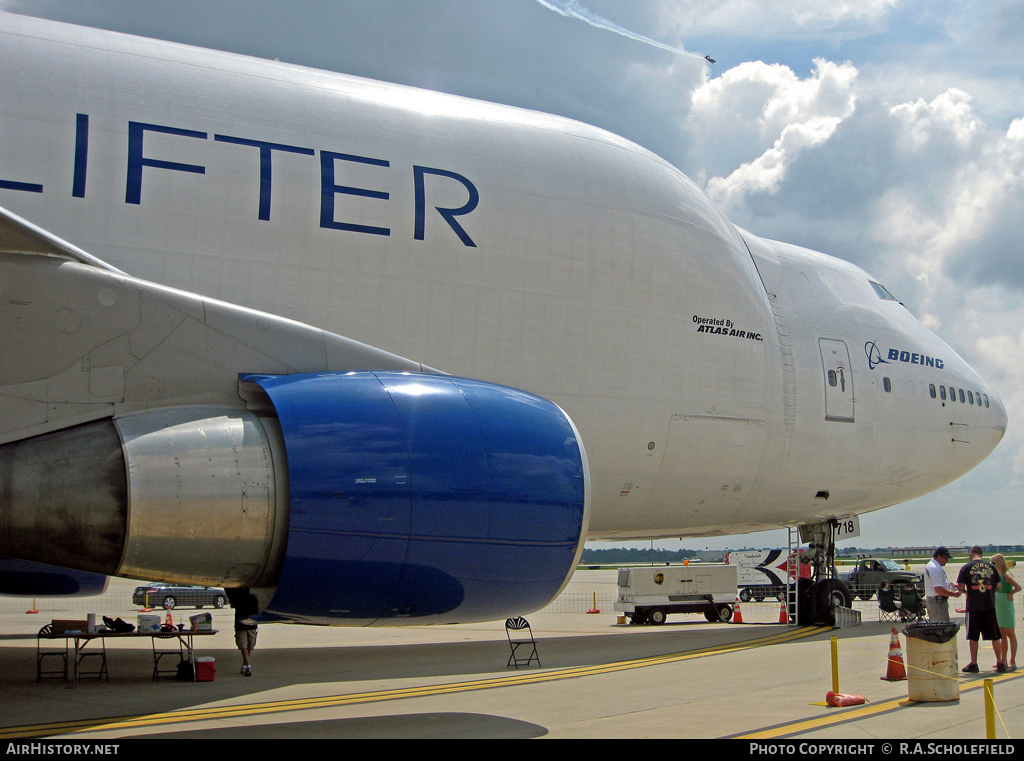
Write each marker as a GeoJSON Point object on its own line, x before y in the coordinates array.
{"type": "Point", "coordinates": [572, 9]}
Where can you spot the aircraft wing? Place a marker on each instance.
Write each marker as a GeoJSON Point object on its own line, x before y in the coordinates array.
{"type": "Point", "coordinates": [19, 236]}
{"type": "Point", "coordinates": [83, 340]}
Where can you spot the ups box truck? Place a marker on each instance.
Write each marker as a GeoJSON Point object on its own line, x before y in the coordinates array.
{"type": "Point", "coordinates": [647, 595]}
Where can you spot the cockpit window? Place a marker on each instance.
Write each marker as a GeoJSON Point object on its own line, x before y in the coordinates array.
{"type": "Point", "coordinates": [882, 291]}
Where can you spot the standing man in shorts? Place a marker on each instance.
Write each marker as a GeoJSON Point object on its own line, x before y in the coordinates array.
{"type": "Point", "coordinates": [246, 629]}
{"type": "Point", "coordinates": [978, 579]}
{"type": "Point", "coordinates": [937, 588]}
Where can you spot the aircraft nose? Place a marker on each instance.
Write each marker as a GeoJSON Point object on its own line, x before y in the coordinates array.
{"type": "Point", "coordinates": [990, 432]}
{"type": "Point", "coordinates": [1003, 419]}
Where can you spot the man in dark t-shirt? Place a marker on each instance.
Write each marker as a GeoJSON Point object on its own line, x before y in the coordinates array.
{"type": "Point", "coordinates": [978, 579]}
{"type": "Point", "coordinates": [246, 628]}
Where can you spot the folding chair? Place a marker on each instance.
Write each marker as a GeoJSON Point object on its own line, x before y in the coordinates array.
{"type": "Point", "coordinates": [521, 627]}
{"type": "Point", "coordinates": [910, 603]}
{"type": "Point", "coordinates": [176, 668]}
{"type": "Point", "coordinates": [43, 653]}
{"type": "Point", "coordinates": [887, 609]}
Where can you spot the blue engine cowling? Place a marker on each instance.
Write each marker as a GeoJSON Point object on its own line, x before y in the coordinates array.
{"type": "Point", "coordinates": [28, 579]}
{"type": "Point", "coordinates": [423, 497]}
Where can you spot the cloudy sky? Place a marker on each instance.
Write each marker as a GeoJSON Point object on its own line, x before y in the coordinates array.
{"type": "Point", "coordinates": [886, 132]}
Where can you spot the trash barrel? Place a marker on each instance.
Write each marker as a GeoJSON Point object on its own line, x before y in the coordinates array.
{"type": "Point", "coordinates": [932, 669]}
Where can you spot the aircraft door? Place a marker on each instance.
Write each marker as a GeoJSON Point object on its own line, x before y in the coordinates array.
{"type": "Point", "coordinates": [835, 361]}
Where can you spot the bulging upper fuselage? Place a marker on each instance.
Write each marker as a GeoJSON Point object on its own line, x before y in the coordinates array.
{"type": "Point", "coordinates": [721, 383]}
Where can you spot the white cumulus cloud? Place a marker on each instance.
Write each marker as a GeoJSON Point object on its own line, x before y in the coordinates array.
{"type": "Point", "coordinates": [947, 117]}
{"type": "Point", "coordinates": [768, 108]}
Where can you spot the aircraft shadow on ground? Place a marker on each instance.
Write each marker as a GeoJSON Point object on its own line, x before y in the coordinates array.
{"type": "Point", "coordinates": [411, 726]}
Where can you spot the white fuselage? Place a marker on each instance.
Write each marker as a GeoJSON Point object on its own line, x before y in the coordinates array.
{"type": "Point", "coordinates": [695, 360]}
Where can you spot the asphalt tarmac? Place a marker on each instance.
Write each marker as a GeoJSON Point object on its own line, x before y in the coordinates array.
{"type": "Point", "coordinates": [758, 680]}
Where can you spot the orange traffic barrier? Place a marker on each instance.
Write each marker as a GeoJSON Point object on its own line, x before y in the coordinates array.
{"type": "Point", "coordinates": [895, 670]}
{"type": "Point", "coordinates": [783, 613]}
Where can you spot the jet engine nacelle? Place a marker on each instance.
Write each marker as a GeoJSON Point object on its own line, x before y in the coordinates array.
{"type": "Point", "coordinates": [362, 497]}
{"type": "Point", "coordinates": [425, 497]}
{"type": "Point", "coordinates": [27, 579]}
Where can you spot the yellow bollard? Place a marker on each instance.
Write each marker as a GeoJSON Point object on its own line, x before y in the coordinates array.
{"type": "Point", "coordinates": [835, 664]}
{"type": "Point", "coordinates": [990, 711]}
{"type": "Point", "coordinates": [835, 698]}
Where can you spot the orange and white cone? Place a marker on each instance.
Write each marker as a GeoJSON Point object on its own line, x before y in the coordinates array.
{"type": "Point", "coordinates": [783, 613]}
{"type": "Point", "coordinates": [895, 670]}
{"type": "Point", "coordinates": [737, 616]}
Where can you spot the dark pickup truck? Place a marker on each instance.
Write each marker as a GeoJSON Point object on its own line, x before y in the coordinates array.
{"type": "Point", "coordinates": [863, 580]}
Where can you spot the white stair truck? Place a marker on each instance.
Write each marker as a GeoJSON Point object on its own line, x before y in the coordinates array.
{"type": "Point", "coordinates": [649, 594]}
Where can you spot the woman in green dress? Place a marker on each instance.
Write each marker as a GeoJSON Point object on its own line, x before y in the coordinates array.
{"type": "Point", "coordinates": [1006, 648]}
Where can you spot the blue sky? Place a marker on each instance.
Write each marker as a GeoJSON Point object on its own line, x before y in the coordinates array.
{"type": "Point", "coordinates": [887, 132]}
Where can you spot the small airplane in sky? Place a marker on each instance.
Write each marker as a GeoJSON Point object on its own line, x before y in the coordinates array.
{"type": "Point", "coordinates": [709, 59]}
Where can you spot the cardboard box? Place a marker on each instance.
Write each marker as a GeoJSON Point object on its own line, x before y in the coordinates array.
{"type": "Point", "coordinates": [65, 625]}
{"type": "Point", "coordinates": [202, 623]}
{"type": "Point", "coordinates": [148, 623]}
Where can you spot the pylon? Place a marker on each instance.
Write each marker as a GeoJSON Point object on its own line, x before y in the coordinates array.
{"type": "Point", "coordinates": [895, 671]}
{"type": "Point", "coordinates": [170, 621]}
{"type": "Point", "coordinates": [783, 614]}
{"type": "Point", "coordinates": [737, 616]}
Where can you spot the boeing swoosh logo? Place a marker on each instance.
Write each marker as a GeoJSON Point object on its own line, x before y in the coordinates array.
{"type": "Point", "coordinates": [874, 355]}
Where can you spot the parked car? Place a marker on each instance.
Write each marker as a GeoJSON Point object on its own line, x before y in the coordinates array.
{"type": "Point", "coordinates": [170, 596]}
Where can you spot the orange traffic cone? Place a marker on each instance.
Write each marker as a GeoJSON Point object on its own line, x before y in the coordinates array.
{"type": "Point", "coordinates": [895, 671]}
{"type": "Point", "coordinates": [737, 616]}
{"type": "Point", "coordinates": [783, 614]}
{"type": "Point", "coordinates": [170, 621]}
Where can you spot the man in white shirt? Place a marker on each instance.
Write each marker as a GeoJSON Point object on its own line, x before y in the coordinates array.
{"type": "Point", "coordinates": [937, 588]}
